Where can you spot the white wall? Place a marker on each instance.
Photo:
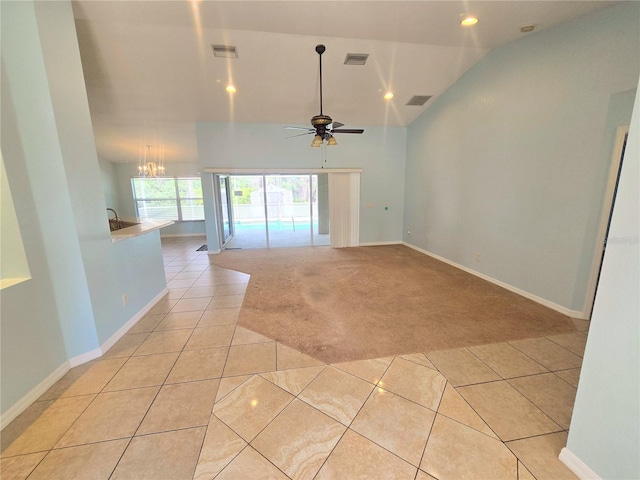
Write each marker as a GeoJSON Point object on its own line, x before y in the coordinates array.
{"type": "Point", "coordinates": [511, 162]}
{"type": "Point", "coordinates": [380, 152]}
{"type": "Point", "coordinates": [605, 427]}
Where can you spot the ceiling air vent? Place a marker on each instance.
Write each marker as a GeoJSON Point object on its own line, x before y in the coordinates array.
{"type": "Point", "coordinates": [418, 100]}
{"type": "Point", "coordinates": [356, 58]}
{"type": "Point", "coordinates": [224, 51]}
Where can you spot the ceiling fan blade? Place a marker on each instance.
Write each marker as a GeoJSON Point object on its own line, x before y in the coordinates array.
{"type": "Point", "coordinates": [297, 128]}
{"type": "Point", "coordinates": [348, 130]}
{"type": "Point", "coordinates": [336, 125]}
{"type": "Point", "coordinates": [301, 134]}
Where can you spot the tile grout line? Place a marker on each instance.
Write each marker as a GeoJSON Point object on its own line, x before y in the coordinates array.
{"type": "Point", "coordinates": [566, 348]}
{"type": "Point", "coordinates": [165, 378]}
{"type": "Point", "coordinates": [249, 443]}
{"type": "Point", "coordinates": [529, 356]}
{"type": "Point", "coordinates": [193, 262]}
{"type": "Point", "coordinates": [526, 398]}
{"type": "Point", "coordinates": [485, 363]}
{"type": "Point", "coordinates": [195, 466]}
{"type": "Point", "coordinates": [424, 450]}
{"type": "Point", "coordinates": [348, 427]}
{"type": "Point", "coordinates": [235, 324]}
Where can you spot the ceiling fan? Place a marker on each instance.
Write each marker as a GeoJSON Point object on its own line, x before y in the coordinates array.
{"type": "Point", "coordinates": [323, 125]}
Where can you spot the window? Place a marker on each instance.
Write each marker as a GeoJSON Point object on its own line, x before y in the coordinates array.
{"type": "Point", "coordinates": [190, 202]}
{"type": "Point", "coordinates": [178, 199]}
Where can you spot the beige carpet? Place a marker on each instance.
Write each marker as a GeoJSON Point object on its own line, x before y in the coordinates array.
{"type": "Point", "coordinates": [367, 302]}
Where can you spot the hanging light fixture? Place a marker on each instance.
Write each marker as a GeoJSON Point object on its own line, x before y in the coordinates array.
{"type": "Point", "coordinates": [151, 168]}
{"type": "Point", "coordinates": [142, 161]}
{"type": "Point", "coordinates": [332, 140]}
{"type": "Point", "coordinates": [317, 141]}
{"type": "Point", "coordinates": [161, 162]}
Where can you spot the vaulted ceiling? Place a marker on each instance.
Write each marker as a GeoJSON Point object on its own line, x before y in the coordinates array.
{"type": "Point", "coordinates": [151, 74]}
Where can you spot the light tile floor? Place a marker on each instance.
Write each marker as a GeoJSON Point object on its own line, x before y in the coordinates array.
{"type": "Point", "coordinates": [187, 393]}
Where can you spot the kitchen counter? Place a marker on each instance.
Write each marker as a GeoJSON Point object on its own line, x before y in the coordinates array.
{"type": "Point", "coordinates": [143, 226]}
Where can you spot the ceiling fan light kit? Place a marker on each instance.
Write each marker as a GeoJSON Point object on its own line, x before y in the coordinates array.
{"type": "Point", "coordinates": [323, 125]}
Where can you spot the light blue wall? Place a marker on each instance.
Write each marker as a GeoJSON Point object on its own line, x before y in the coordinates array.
{"type": "Point", "coordinates": [510, 161]}
{"type": "Point", "coordinates": [27, 95]}
{"type": "Point", "coordinates": [605, 427]}
{"type": "Point", "coordinates": [104, 262]}
{"type": "Point", "coordinates": [31, 339]}
{"type": "Point", "coordinates": [184, 229]}
{"type": "Point", "coordinates": [618, 114]}
{"type": "Point", "coordinates": [380, 152]}
{"type": "Point", "coordinates": [73, 302]}
{"type": "Point", "coordinates": [109, 178]}
{"type": "Point", "coordinates": [210, 213]}
{"type": "Point", "coordinates": [49, 318]}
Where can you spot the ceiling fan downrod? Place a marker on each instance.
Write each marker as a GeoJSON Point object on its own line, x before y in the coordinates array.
{"type": "Point", "coordinates": [320, 50]}
{"type": "Point", "coordinates": [323, 125]}
{"type": "Point", "coordinates": [322, 121]}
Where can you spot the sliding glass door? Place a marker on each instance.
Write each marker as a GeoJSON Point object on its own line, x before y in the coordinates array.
{"type": "Point", "coordinates": [247, 203]}
{"type": "Point", "coordinates": [271, 211]}
{"type": "Point", "coordinates": [288, 210]}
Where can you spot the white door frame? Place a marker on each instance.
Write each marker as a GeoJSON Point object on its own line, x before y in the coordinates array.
{"type": "Point", "coordinates": [596, 263]}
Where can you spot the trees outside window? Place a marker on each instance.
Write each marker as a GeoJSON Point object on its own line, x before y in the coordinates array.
{"type": "Point", "coordinates": [178, 199]}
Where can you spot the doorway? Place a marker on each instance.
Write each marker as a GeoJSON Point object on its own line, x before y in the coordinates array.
{"type": "Point", "coordinates": [605, 221]}
{"type": "Point", "coordinates": [273, 210]}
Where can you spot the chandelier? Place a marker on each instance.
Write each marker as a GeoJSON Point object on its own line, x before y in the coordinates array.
{"type": "Point", "coordinates": [148, 167]}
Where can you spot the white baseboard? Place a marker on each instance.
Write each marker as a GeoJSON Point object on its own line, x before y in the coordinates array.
{"type": "Point", "coordinates": [530, 296]}
{"type": "Point", "coordinates": [85, 357]}
{"type": "Point", "coordinates": [374, 244]}
{"type": "Point", "coordinates": [577, 466]}
{"type": "Point", "coordinates": [132, 321]}
{"type": "Point", "coordinates": [22, 404]}
{"type": "Point", "coordinates": [171, 235]}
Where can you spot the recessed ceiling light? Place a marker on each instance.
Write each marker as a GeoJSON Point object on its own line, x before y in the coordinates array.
{"type": "Point", "coordinates": [388, 95]}
{"type": "Point", "coordinates": [468, 21]}
{"type": "Point", "coordinates": [230, 89]}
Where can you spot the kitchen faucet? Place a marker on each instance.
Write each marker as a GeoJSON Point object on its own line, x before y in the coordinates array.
{"type": "Point", "coordinates": [117, 219]}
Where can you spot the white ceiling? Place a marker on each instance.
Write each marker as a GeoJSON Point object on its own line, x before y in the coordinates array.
{"type": "Point", "coordinates": [151, 75]}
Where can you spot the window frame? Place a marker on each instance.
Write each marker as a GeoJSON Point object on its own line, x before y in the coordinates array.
{"type": "Point", "coordinates": [176, 198]}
